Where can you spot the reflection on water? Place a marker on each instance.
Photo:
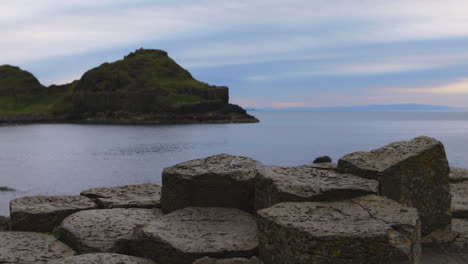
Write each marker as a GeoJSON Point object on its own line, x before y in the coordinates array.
{"type": "Point", "coordinates": [66, 159]}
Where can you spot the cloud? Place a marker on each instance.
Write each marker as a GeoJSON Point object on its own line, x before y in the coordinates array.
{"type": "Point", "coordinates": [459, 87]}
{"type": "Point", "coordinates": [40, 29]}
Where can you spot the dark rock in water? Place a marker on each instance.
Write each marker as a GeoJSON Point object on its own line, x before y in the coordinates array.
{"type": "Point", "coordinates": [128, 196]}
{"type": "Point", "coordinates": [188, 234]}
{"type": "Point", "coordinates": [99, 231]}
{"type": "Point", "coordinates": [4, 223]}
{"type": "Point", "coordinates": [458, 175]}
{"type": "Point", "coordinates": [459, 199]}
{"type": "Point", "coordinates": [102, 258]}
{"type": "Point", "coordinates": [323, 159]}
{"type": "Point", "coordinates": [146, 87]}
{"type": "Point", "coordinates": [275, 184]}
{"type": "Point", "coordinates": [44, 213]}
{"type": "Point", "coordinates": [414, 173]}
{"type": "Point", "coordinates": [31, 248]}
{"type": "Point", "coordinates": [6, 189]}
{"type": "Point", "coordinates": [207, 260]}
{"type": "Point", "coordinates": [368, 229]}
{"type": "Point", "coordinates": [217, 181]}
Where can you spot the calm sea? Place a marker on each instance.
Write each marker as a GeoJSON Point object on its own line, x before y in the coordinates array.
{"type": "Point", "coordinates": [66, 159]}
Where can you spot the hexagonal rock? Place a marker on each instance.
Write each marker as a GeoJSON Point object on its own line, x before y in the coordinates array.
{"type": "Point", "coordinates": [369, 229]}
{"type": "Point", "coordinates": [414, 173]}
{"type": "Point", "coordinates": [276, 184]}
{"type": "Point", "coordinates": [102, 258]}
{"type": "Point", "coordinates": [97, 231]}
{"type": "Point", "coordinates": [217, 181]}
{"type": "Point", "coordinates": [44, 213]}
{"type": "Point", "coordinates": [31, 248]}
{"type": "Point", "coordinates": [324, 166]}
{"type": "Point", "coordinates": [458, 175]}
{"type": "Point", "coordinates": [459, 199]}
{"type": "Point", "coordinates": [188, 234]}
{"type": "Point", "coordinates": [207, 260]}
{"type": "Point", "coordinates": [4, 223]}
{"type": "Point", "coordinates": [129, 196]}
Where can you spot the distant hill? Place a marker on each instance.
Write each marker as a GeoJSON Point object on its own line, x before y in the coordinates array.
{"type": "Point", "coordinates": [393, 107]}
{"type": "Point", "coordinates": [146, 86]}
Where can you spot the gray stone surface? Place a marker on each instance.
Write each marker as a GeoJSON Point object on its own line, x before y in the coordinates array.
{"type": "Point", "coordinates": [98, 231]}
{"type": "Point", "coordinates": [459, 199]}
{"type": "Point", "coordinates": [129, 196]}
{"type": "Point", "coordinates": [414, 173]}
{"type": "Point", "coordinates": [369, 229]}
{"type": "Point", "coordinates": [275, 184]}
{"type": "Point", "coordinates": [31, 248]}
{"type": "Point", "coordinates": [324, 166]}
{"type": "Point", "coordinates": [102, 258]}
{"type": "Point", "coordinates": [442, 254]}
{"type": "Point", "coordinates": [44, 213]}
{"type": "Point", "coordinates": [208, 260]}
{"type": "Point", "coordinates": [460, 227]}
{"type": "Point", "coordinates": [458, 175]}
{"type": "Point", "coordinates": [221, 181]}
{"type": "Point", "coordinates": [188, 234]}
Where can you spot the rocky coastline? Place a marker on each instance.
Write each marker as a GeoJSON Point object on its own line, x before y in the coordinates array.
{"type": "Point", "coordinates": [401, 203]}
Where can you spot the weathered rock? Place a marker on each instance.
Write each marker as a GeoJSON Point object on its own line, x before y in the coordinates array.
{"type": "Point", "coordinates": [460, 226]}
{"type": "Point", "coordinates": [129, 196]}
{"type": "Point", "coordinates": [369, 229]}
{"type": "Point", "coordinates": [217, 181]}
{"type": "Point", "coordinates": [4, 223]}
{"type": "Point", "coordinates": [31, 248]}
{"type": "Point", "coordinates": [303, 183]}
{"type": "Point", "coordinates": [188, 234]}
{"type": "Point", "coordinates": [323, 159]}
{"type": "Point", "coordinates": [442, 254]}
{"type": "Point", "coordinates": [102, 258]}
{"type": "Point", "coordinates": [458, 175]}
{"type": "Point", "coordinates": [324, 166]}
{"type": "Point", "coordinates": [459, 199]}
{"type": "Point", "coordinates": [208, 260]}
{"type": "Point", "coordinates": [414, 173]}
{"type": "Point", "coordinates": [96, 231]}
{"type": "Point", "coordinates": [44, 213]}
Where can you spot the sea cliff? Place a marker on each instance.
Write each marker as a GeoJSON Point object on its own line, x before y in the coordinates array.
{"type": "Point", "coordinates": [146, 87]}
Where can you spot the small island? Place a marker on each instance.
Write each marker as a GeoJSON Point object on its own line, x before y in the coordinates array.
{"type": "Point", "coordinates": [145, 87]}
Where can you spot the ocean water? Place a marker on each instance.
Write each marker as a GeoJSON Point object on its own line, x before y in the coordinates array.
{"type": "Point", "coordinates": [67, 158]}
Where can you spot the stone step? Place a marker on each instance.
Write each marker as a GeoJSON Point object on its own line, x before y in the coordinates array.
{"type": "Point", "coordinates": [99, 231]}
{"type": "Point", "coordinates": [31, 248]}
{"type": "Point", "coordinates": [44, 213]}
{"type": "Point", "coordinates": [369, 229]}
{"type": "Point", "coordinates": [188, 234]}
{"type": "Point", "coordinates": [275, 184]}
{"type": "Point", "coordinates": [102, 258]}
{"type": "Point", "coordinates": [128, 196]}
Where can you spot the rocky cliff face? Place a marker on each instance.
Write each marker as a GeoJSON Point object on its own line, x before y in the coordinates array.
{"type": "Point", "coordinates": [146, 86]}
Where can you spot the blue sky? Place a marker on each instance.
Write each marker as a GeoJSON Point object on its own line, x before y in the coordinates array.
{"type": "Point", "coordinates": [270, 53]}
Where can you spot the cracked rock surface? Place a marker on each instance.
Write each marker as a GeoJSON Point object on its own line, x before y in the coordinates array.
{"type": "Point", "coordinates": [188, 234]}
{"type": "Point", "coordinates": [207, 260]}
{"type": "Point", "coordinates": [44, 213]}
{"type": "Point", "coordinates": [276, 184]}
{"type": "Point", "coordinates": [369, 229]}
{"type": "Point", "coordinates": [218, 181]}
{"type": "Point", "coordinates": [102, 258]}
{"type": "Point", "coordinates": [128, 196]}
{"type": "Point", "coordinates": [458, 175]}
{"type": "Point", "coordinates": [31, 248]}
{"type": "Point", "coordinates": [459, 199]}
{"type": "Point", "coordinates": [414, 173]}
{"type": "Point", "coordinates": [96, 231]}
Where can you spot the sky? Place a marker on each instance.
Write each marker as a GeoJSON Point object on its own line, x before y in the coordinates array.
{"type": "Point", "coordinates": [271, 53]}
